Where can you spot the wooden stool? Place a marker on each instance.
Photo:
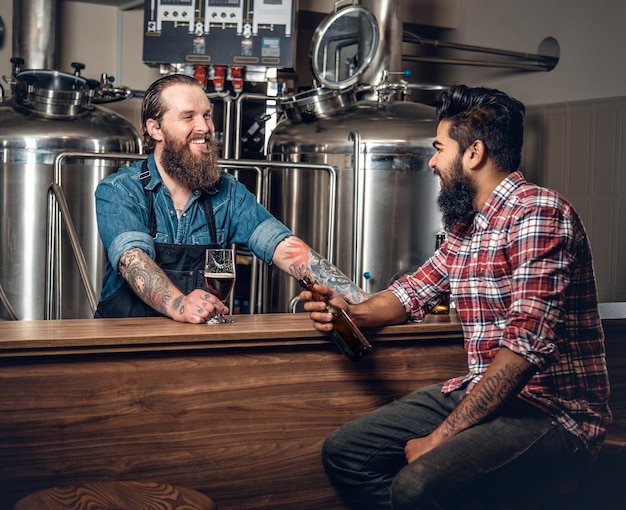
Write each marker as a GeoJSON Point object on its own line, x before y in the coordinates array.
{"type": "Point", "coordinates": [116, 496]}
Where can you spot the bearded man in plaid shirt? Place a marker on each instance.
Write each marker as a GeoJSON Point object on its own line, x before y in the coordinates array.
{"type": "Point", "coordinates": [533, 407]}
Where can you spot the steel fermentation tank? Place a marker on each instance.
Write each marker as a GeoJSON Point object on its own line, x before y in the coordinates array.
{"type": "Point", "coordinates": [51, 113]}
{"type": "Point", "coordinates": [386, 211]}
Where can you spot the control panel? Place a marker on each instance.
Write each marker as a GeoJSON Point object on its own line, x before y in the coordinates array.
{"type": "Point", "coordinates": [220, 32]}
{"type": "Point", "coordinates": [174, 11]}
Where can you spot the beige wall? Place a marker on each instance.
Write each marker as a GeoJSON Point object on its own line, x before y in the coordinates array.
{"type": "Point", "coordinates": [577, 148]}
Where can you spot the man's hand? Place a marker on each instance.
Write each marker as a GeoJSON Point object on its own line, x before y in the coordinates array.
{"type": "Point", "coordinates": [153, 286]}
{"type": "Point", "coordinates": [419, 446]}
{"type": "Point", "coordinates": [198, 306]}
{"type": "Point", "coordinates": [321, 317]}
{"type": "Point", "coordinates": [507, 374]}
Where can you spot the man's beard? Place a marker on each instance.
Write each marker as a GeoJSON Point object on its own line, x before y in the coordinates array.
{"type": "Point", "coordinates": [456, 197]}
{"type": "Point", "coordinates": [192, 170]}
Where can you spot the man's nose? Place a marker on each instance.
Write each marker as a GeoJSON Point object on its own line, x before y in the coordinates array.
{"type": "Point", "coordinates": [205, 126]}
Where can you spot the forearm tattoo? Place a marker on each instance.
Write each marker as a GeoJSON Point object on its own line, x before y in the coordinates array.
{"type": "Point", "coordinates": [147, 280]}
{"type": "Point", "coordinates": [303, 261]}
{"type": "Point", "coordinates": [487, 398]}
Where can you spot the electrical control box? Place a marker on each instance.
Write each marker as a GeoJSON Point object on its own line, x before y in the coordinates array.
{"type": "Point", "coordinates": [220, 32]}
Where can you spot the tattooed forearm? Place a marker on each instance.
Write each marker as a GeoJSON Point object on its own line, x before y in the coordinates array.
{"type": "Point", "coordinates": [322, 271]}
{"type": "Point", "coordinates": [146, 279]}
{"type": "Point", "coordinates": [496, 388]}
{"type": "Point", "coordinates": [296, 257]}
{"type": "Point", "coordinates": [329, 275]}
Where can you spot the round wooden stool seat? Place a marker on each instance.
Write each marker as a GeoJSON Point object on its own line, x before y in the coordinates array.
{"type": "Point", "coordinates": [117, 496]}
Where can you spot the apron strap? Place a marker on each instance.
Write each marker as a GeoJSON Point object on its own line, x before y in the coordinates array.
{"type": "Point", "coordinates": [207, 205]}
{"type": "Point", "coordinates": [144, 177]}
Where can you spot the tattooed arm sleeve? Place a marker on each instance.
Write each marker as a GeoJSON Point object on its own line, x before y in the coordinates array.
{"type": "Point", "coordinates": [295, 257]}
{"type": "Point", "coordinates": [503, 380]}
{"type": "Point", "coordinates": [149, 282]}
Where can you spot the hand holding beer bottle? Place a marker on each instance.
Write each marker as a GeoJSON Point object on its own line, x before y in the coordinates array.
{"type": "Point", "coordinates": [345, 334]}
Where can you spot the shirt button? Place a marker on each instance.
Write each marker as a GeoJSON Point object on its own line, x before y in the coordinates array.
{"type": "Point", "coordinates": [473, 361]}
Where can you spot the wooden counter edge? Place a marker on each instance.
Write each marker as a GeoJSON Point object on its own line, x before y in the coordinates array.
{"type": "Point", "coordinates": [90, 336]}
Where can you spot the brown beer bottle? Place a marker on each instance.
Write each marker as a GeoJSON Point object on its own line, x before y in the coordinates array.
{"type": "Point", "coordinates": [345, 334]}
{"type": "Point", "coordinates": [443, 306]}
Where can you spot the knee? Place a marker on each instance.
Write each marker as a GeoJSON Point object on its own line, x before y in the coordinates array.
{"type": "Point", "coordinates": [411, 490]}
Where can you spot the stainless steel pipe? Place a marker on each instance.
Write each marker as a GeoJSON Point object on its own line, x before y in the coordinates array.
{"type": "Point", "coordinates": [35, 27]}
{"type": "Point", "coordinates": [520, 60]}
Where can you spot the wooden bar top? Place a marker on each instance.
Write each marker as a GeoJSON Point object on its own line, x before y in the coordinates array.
{"type": "Point", "coordinates": [84, 336]}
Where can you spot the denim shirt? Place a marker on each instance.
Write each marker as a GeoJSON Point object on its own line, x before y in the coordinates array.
{"type": "Point", "coordinates": [122, 215]}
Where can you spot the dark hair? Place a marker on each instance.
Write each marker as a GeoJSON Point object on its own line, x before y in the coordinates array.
{"type": "Point", "coordinates": [153, 106]}
{"type": "Point", "coordinates": [488, 115]}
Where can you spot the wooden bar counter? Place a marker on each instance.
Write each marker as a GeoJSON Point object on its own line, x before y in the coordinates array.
{"type": "Point", "coordinates": [237, 411]}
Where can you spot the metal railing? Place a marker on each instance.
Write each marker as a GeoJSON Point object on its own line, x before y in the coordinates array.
{"type": "Point", "coordinates": [7, 306]}
{"type": "Point", "coordinates": [59, 214]}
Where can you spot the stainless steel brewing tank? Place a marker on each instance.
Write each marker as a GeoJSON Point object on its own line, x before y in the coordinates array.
{"type": "Point", "coordinates": [399, 197]}
{"type": "Point", "coordinates": [30, 142]}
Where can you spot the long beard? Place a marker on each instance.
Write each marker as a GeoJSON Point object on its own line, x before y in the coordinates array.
{"type": "Point", "coordinates": [456, 197]}
{"type": "Point", "coordinates": [192, 170]}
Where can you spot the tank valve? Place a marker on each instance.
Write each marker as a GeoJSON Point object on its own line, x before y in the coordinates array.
{"type": "Point", "coordinates": [17, 62]}
{"type": "Point", "coordinates": [78, 67]}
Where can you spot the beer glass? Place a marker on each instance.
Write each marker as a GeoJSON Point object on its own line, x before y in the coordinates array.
{"type": "Point", "coordinates": [219, 277]}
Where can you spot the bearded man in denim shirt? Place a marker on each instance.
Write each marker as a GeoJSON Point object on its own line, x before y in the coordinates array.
{"type": "Point", "coordinates": [157, 217]}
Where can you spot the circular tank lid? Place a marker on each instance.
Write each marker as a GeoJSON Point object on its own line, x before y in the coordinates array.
{"type": "Point", "coordinates": [51, 93]}
{"type": "Point", "coordinates": [343, 46]}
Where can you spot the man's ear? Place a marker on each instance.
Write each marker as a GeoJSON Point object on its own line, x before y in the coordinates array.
{"type": "Point", "coordinates": [476, 154]}
{"type": "Point", "coordinates": [153, 127]}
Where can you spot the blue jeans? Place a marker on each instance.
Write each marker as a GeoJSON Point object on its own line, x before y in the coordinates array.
{"type": "Point", "coordinates": [518, 450]}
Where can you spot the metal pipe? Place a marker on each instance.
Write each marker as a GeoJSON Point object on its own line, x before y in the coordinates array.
{"type": "Point", "coordinates": [359, 199]}
{"type": "Point", "coordinates": [239, 116]}
{"type": "Point", "coordinates": [79, 256]}
{"type": "Point", "coordinates": [530, 61]}
{"type": "Point", "coordinates": [478, 63]}
{"type": "Point", "coordinates": [35, 28]}
{"type": "Point", "coordinates": [388, 56]}
{"type": "Point", "coordinates": [52, 298]}
{"type": "Point", "coordinates": [254, 273]}
{"type": "Point", "coordinates": [5, 301]}
{"type": "Point", "coordinates": [228, 120]}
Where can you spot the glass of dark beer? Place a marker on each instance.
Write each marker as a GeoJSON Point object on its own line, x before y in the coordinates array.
{"type": "Point", "coordinates": [219, 277]}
